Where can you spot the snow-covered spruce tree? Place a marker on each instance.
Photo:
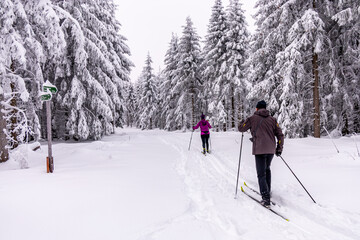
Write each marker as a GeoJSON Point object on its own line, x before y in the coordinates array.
{"type": "Point", "coordinates": [214, 67]}
{"type": "Point", "coordinates": [187, 82]}
{"type": "Point", "coordinates": [290, 50]}
{"type": "Point", "coordinates": [24, 51]}
{"type": "Point", "coordinates": [12, 56]}
{"type": "Point", "coordinates": [166, 88]}
{"type": "Point", "coordinates": [343, 95]}
{"type": "Point", "coordinates": [299, 67]}
{"type": "Point", "coordinates": [147, 98]}
{"type": "Point", "coordinates": [130, 112]}
{"type": "Point", "coordinates": [268, 40]}
{"type": "Point", "coordinates": [159, 118]}
{"type": "Point", "coordinates": [137, 93]}
{"type": "Point", "coordinates": [316, 78]}
{"type": "Point", "coordinates": [90, 81]}
{"type": "Point", "coordinates": [43, 61]}
{"type": "Point", "coordinates": [236, 85]}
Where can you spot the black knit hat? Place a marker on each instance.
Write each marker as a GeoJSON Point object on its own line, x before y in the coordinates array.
{"type": "Point", "coordinates": [261, 104]}
{"type": "Point", "coordinates": [202, 116]}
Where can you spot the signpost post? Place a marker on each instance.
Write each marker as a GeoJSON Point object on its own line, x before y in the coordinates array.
{"type": "Point", "coordinates": [46, 95]}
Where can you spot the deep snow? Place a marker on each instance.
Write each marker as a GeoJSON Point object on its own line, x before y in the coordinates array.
{"type": "Point", "coordinates": [146, 185]}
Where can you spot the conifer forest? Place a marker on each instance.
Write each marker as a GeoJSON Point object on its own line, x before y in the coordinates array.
{"type": "Point", "coordinates": [303, 59]}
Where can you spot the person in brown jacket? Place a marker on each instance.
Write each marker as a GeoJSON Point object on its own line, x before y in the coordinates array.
{"type": "Point", "coordinates": [264, 128]}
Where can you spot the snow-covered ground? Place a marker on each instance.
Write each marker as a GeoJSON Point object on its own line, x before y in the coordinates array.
{"type": "Point", "coordinates": [146, 185]}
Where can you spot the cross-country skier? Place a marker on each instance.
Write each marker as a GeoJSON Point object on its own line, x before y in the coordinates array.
{"type": "Point", "coordinates": [205, 133]}
{"type": "Point", "coordinates": [264, 128]}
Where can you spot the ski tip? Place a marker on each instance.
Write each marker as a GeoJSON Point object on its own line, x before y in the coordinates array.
{"type": "Point", "coordinates": [287, 219]}
{"type": "Point", "coordinates": [242, 189]}
{"type": "Point", "coordinates": [245, 183]}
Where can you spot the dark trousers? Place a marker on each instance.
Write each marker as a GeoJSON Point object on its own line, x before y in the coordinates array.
{"type": "Point", "coordinates": [263, 162]}
{"type": "Point", "coordinates": [205, 141]}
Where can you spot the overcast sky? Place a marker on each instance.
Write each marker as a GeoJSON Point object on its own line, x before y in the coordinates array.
{"type": "Point", "coordinates": [148, 25]}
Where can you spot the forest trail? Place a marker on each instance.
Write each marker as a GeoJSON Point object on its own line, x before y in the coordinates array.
{"type": "Point", "coordinates": [147, 185]}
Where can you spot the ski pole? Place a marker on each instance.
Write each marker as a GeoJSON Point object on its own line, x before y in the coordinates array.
{"type": "Point", "coordinates": [238, 172]}
{"type": "Point", "coordinates": [191, 139]}
{"type": "Point", "coordinates": [355, 135]}
{"type": "Point", "coordinates": [331, 139]}
{"type": "Point", "coordinates": [297, 179]}
{"type": "Point", "coordinates": [210, 143]}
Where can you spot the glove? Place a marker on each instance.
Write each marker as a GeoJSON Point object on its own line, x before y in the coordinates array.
{"type": "Point", "coordinates": [241, 124]}
{"type": "Point", "coordinates": [278, 152]}
{"type": "Point", "coordinates": [193, 128]}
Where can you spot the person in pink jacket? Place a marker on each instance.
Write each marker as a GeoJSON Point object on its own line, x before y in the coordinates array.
{"type": "Point", "coordinates": [205, 133]}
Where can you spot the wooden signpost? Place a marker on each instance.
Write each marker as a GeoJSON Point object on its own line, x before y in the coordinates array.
{"type": "Point", "coordinates": [46, 95]}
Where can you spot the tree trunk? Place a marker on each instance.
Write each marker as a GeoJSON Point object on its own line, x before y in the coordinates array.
{"type": "Point", "coordinates": [13, 119]}
{"type": "Point", "coordinates": [316, 95]}
{"type": "Point", "coordinates": [316, 98]}
{"type": "Point", "coordinates": [232, 108]}
{"type": "Point", "coordinates": [225, 123]}
{"type": "Point", "coordinates": [192, 110]}
{"type": "Point", "coordinates": [356, 123]}
{"type": "Point", "coordinates": [182, 121]}
{"type": "Point", "coordinates": [240, 108]}
{"type": "Point", "coordinates": [4, 154]}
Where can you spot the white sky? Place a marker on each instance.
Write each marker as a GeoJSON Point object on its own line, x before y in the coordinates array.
{"type": "Point", "coordinates": [148, 25]}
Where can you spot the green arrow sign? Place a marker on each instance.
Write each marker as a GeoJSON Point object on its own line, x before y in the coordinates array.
{"type": "Point", "coordinates": [46, 97]}
{"type": "Point", "coordinates": [49, 87]}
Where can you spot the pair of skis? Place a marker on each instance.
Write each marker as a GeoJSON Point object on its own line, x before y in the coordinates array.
{"type": "Point", "coordinates": [259, 202]}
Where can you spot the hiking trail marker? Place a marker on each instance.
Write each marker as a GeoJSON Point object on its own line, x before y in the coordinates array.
{"type": "Point", "coordinates": [46, 95]}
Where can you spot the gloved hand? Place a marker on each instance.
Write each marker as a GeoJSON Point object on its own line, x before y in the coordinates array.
{"type": "Point", "coordinates": [193, 128]}
{"type": "Point", "coordinates": [278, 152]}
{"type": "Point", "coordinates": [241, 124]}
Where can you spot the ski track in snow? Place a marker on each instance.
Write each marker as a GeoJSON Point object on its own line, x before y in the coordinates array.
{"type": "Point", "coordinates": [203, 207]}
{"type": "Point", "coordinates": [322, 216]}
{"type": "Point", "coordinates": [215, 173]}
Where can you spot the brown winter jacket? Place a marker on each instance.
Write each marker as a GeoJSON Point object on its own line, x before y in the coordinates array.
{"type": "Point", "coordinates": [264, 141]}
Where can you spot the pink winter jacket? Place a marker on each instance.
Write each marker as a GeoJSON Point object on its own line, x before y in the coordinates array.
{"type": "Point", "coordinates": [204, 127]}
